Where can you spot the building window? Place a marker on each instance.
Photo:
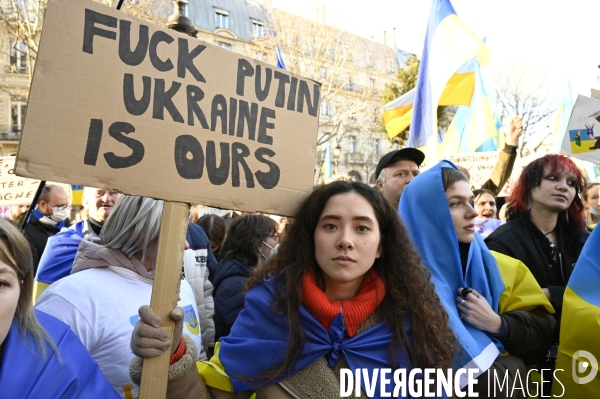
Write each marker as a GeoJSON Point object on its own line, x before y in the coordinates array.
{"type": "Point", "coordinates": [18, 56]}
{"type": "Point", "coordinates": [373, 114]}
{"type": "Point", "coordinates": [226, 46]}
{"type": "Point", "coordinates": [349, 83]}
{"type": "Point", "coordinates": [324, 108]}
{"type": "Point", "coordinates": [351, 144]}
{"type": "Point", "coordinates": [375, 146]}
{"type": "Point", "coordinates": [222, 19]}
{"type": "Point", "coordinates": [258, 29]}
{"type": "Point", "coordinates": [391, 66]}
{"type": "Point", "coordinates": [18, 108]}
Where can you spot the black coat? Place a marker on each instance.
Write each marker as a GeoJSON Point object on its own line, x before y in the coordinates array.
{"type": "Point", "coordinates": [37, 234]}
{"type": "Point", "coordinates": [229, 281]}
{"type": "Point", "coordinates": [522, 240]}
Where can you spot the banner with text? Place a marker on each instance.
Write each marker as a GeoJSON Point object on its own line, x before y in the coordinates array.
{"type": "Point", "coordinates": [15, 190]}
{"type": "Point", "coordinates": [120, 103]}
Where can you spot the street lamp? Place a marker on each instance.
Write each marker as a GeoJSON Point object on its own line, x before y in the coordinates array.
{"type": "Point", "coordinates": [179, 21]}
{"type": "Point", "coordinates": [337, 151]}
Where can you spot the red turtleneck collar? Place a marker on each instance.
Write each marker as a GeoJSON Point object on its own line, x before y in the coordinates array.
{"type": "Point", "coordinates": [355, 310]}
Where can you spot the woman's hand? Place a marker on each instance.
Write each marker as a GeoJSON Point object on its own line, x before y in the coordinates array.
{"type": "Point", "coordinates": [149, 339]}
{"type": "Point", "coordinates": [476, 311]}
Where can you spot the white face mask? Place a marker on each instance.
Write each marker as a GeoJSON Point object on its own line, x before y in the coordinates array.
{"type": "Point", "coordinates": [594, 212]}
{"type": "Point", "coordinates": [273, 251]}
{"type": "Point", "coordinates": [59, 213]}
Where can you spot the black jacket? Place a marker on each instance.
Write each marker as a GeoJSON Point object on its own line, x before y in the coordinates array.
{"type": "Point", "coordinates": [37, 234]}
{"type": "Point", "coordinates": [521, 239]}
{"type": "Point", "coordinates": [229, 280]}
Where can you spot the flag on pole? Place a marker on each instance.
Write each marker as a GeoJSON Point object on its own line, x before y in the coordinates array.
{"type": "Point", "coordinates": [326, 168]}
{"type": "Point", "coordinates": [280, 63]}
{"type": "Point", "coordinates": [563, 115]}
{"type": "Point", "coordinates": [398, 113]}
{"type": "Point", "coordinates": [448, 45]}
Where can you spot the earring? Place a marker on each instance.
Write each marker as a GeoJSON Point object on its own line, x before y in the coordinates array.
{"type": "Point", "coordinates": [528, 203]}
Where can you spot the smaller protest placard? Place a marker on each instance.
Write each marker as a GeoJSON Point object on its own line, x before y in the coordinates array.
{"type": "Point", "coordinates": [15, 190]}
{"type": "Point", "coordinates": [479, 165]}
{"type": "Point", "coordinates": [582, 138]}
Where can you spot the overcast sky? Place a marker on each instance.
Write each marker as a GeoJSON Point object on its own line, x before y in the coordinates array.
{"type": "Point", "coordinates": [562, 37]}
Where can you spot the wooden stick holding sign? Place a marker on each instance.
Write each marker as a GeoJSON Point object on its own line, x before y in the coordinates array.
{"type": "Point", "coordinates": [165, 292]}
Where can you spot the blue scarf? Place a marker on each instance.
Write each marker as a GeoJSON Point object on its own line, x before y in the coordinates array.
{"type": "Point", "coordinates": [259, 339]}
{"type": "Point", "coordinates": [25, 374]}
{"type": "Point", "coordinates": [37, 214]}
{"type": "Point", "coordinates": [424, 210]}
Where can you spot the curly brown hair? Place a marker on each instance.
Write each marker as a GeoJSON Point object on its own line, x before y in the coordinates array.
{"type": "Point", "coordinates": [410, 295]}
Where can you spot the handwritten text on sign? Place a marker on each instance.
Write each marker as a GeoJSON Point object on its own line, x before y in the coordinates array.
{"type": "Point", "coordinates": [165, 115]}
{"type": "Point", "coordinates": [15, 190]}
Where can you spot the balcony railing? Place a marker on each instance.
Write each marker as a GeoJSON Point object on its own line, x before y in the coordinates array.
{"type": "Point", "coordinates": [10, 132]}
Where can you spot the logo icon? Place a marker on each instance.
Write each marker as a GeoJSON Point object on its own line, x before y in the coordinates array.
{"type": "Point", "coordinates": [191, 321]}
{"type": "Point", "coordinates": [580, 367]}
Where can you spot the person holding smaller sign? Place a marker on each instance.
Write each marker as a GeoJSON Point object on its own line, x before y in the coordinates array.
{"type": "Point", "coordinates": [40, 357]}
{"type": "Point", "coordinates": [346, 290]}
{"type": "Point", "coordinates": [110, 280]}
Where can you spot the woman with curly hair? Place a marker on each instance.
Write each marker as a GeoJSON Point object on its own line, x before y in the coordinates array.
{"type": "Point", "coordinates": [346, 290]}
{"type": "Point", "coordinates": [545, 228]}
{"type": "Point", "coordinates": [498, 312]}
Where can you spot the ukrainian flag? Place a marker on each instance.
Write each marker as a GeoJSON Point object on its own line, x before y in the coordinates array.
{"type": "Point", "coordinates": [398, 113]}
{"type": "Point", "coordinates": [474, 125]}
{"type": "Point", "coordinates": [563, 115]}
{"type": "Point", "coordinates": [326, 168]}
{"type": "Point", "coordinates": [579, 350]}
{"type": "Point", "coordinates": [448, 45]}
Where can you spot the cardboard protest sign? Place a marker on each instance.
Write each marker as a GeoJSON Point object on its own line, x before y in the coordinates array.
{"type": "Point", "coordinates": [120, 103]}
{"type": "Point", "coordinates": [479, 165]}
{"type": "Point", "coordinates": [582, 138]}
{"type": "Point", "coordinates": [15, 190]}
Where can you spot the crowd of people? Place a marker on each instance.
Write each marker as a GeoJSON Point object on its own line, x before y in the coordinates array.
{"type": "Point", "coordinates": [417, 272]}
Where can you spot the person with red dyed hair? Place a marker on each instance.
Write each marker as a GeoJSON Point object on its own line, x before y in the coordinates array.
{"type": "Point", "coordinates": [545, 228]}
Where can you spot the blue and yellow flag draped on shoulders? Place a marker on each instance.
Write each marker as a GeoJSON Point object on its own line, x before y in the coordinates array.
{"type": "Point", "coordinates": [259, 340]}
{"type": "Point", "coordinates": [24, 373]}
{"type": "Point", "coordinates": [579, 350]}
{"type": "Point", "coordinates": [449, 44]}
{"type": "Point", "coordinates": [505, 282]}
